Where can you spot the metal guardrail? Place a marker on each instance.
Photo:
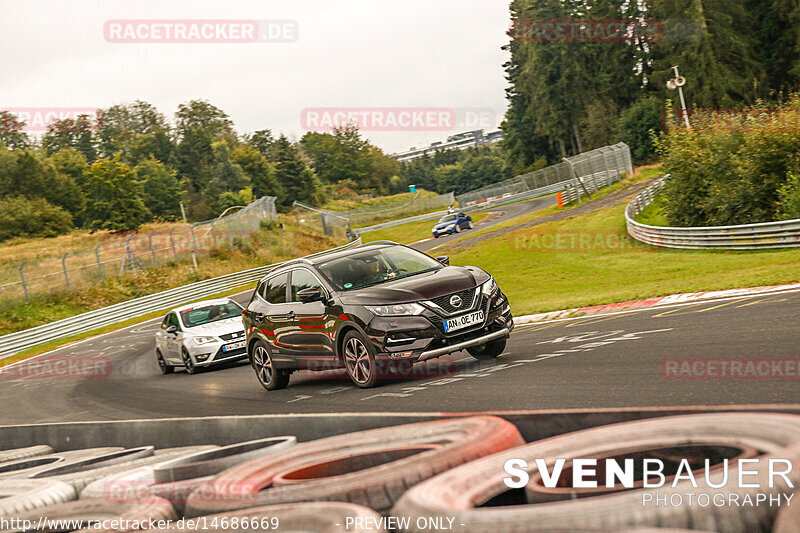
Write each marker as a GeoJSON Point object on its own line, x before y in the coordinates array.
{"type": "Point", "coordinates": [22, 340]}
{"type": "Point", "coordinates": [765, 235]}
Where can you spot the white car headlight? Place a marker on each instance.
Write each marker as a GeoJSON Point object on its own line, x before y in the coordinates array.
{"type": "Point", "coordinates": [204, 340]}
{"type": "Point", "coordinates": [489, 287]}
{"type": "Point", "coordinates": [396, 310]}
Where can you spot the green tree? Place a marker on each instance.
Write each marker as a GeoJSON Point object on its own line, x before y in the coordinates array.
{"type": "Point", "coordinates": [195, 156]}
{"type": "Point", "coordinates": [158, 144]}
{"type": "Point", "coordinates": [637, 126]}
{"type": "Point", "coordinates": [263, 141]}
{"type": "Point", "coordinates": [31, 217]}
{"type": "Point", "coordinates": [162, 190]}
{"type": "Point", "coordinates": [292, 173]}
{"type": "Point", "coordinates": [260, 172]}
{"type": "Point", "coordinates": [120, 125]}
{"type": "Point", "coordinates": [226, 176]}
{"type": "Point", "coordinates": [200, 114]}
{"type": "Point", "coordinates": [70, 162]}
{"type": "Point", "coordinates": [713, 44]}
{"type": "Point", "coordinates": [71, 133]}
{"type": "Point", "coordinates": [115, 201]}
{"type": "Point", "coordinates": [231, 198]}
{"type": "Point", "coordinates": [11, 131]}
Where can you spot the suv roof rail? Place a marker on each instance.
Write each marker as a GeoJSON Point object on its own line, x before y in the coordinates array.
{"type": "Point", "coordinates": [377, 242]}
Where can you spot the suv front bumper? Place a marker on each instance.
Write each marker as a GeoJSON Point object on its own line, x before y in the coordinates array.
{"type": "Point", "coordinates": [422, 337]}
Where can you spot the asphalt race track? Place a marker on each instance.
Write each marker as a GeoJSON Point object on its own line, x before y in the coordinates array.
{"type": "Point", "coordinates": [499, 215]}
{"type": "Point", "coordinates": [617, 360]}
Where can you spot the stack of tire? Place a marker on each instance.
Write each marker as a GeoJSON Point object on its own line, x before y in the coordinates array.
{"type": "Point", "coordinates": [413, 478]}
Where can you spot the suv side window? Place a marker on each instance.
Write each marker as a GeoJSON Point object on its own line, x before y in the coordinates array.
{"type": "Point", "coordinates": [172, 320]}
{"type": "Point", "coordinates": [275, 293]}
{"type": "Point", "coordinates": [303, 279]}
{"type": "Point", "coordinates": [165, 322]}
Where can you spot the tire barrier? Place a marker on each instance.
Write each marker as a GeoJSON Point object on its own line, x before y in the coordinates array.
{"type": "Point", "coordinates": [788, 519]}
{"type": "Point", "coordinates": [370, 468]}
{"type": "Point", "coordinates": [462, 491]}
{"type": "Point", "coordinates": [214, 461]}
{"type": "Point", "coordinates": [82, 514]}
{"type": "Point", "coordinates": [33, 465]}
{"type": "Point", "coordinates": [20, 495]}
{"type": "Point", "coordinates": [308, 517]}
{"type": "Point", "coordinates": [24, 453]}
{"type": "Point", "coordinates": [79, 480]}
{"type": "Point", "coordinates": [91, 463]}
{"type": "Point", "coordinates": [418, 477]}
{"type": "Point", "coordinates": [174, 480]}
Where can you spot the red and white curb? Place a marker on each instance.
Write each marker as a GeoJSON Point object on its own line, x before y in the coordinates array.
{"type": "Point", "coordinates": [661, 301]}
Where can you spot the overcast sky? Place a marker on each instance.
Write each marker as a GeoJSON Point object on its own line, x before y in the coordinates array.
{"type": "Point", "coordinates": [349, 53]}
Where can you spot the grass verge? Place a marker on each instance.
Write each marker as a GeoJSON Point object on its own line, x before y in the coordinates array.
{"type": "Point", "coordinates": [655, 213]}
{"type": "Point", "coordinates": [411, 232]}
{"type": "Point", "coordinates": [590, 260]}
{"type": "Point", "coordinates": [642, 174]}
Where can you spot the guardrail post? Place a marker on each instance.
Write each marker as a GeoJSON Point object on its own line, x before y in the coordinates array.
{"type": "Point", "coordinates": [172, 244]}
{"type": "Point", "coordinates": [194, 247]}
{"type": "Point", "coordinates": [24, 284]}
{"type": "Point", "coordinates": [66, 273]}
{"type": "Point", "coordinates": [99, 263]}
{"type": "Point", "coordinates": [153, 250]}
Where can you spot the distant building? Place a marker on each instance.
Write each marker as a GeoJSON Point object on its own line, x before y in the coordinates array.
{"type": "Point", "coordinates": [460, 141]}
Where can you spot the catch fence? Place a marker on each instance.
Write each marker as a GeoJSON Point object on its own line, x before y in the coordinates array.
{"type": "Point", "coordinates": [117, 256]}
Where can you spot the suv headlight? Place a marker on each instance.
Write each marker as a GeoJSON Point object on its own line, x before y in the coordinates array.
{"type": "Point", "coordinates": [489, 288]}
{"type": "Point", "coordinates": [204, 340]}
{"type": "Point", "coordinates": [396, 310]}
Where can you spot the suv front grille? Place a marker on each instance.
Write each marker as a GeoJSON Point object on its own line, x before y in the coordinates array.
{"type": "Point", "coordinates": [239, 335]}
{"type": "Point", "coordinates": [467, 301]}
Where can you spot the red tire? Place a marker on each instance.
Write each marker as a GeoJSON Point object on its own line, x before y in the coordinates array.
{"type": "Point", "coordinates": [370, 468]}
{"type": "Point", "coordinates": [458, 492]}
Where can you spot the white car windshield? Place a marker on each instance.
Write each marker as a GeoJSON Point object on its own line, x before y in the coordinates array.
{"type": "Point", "coordinates": [448, 218]}
{"type": "Point", "coordinates": [197, 316]}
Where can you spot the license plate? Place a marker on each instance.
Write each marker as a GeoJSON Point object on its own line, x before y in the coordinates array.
{"type": "Point", "coordinates": [463, 321]}
{"type": "Point", "coordinates": [234, 346]}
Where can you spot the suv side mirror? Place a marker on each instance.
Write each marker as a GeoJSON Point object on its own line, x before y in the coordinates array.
{"type": "Point", "coordinates": [172, 330]}
{"type": "Point", "coordinates": [311, 294]}
{"type": "Point", "coordinates": [443, 259]}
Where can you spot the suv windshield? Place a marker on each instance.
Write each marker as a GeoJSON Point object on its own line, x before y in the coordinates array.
{"type": "Point", "coordinates": [197, 316]}
{"type": "Point", "coordinates": [371, 267]}
{"type": "Point", "coordinates": [448, 218]}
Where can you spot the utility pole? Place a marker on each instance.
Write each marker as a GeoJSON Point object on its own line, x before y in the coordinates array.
{"type": "Point", "coordinates": [191, 238]}
{"type": "Point", "coordinates": [677, 83]}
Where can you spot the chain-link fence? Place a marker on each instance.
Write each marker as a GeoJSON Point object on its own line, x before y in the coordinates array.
{"type": "Point", "coordinates": [134, 252]}
{"type": "Point", "coordinates": [608, 162]}
{"type": "Point", "coordinates": [335, 222]}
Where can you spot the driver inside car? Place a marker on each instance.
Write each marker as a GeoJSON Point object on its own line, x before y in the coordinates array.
{"type": "Point", "coordinates": [372, 273]}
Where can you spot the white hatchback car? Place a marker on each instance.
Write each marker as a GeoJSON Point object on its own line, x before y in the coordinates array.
{"type": "Point", "coordinates": [200, 335]}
